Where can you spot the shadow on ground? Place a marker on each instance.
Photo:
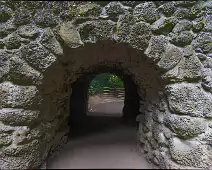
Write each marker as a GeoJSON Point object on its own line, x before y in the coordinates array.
{"type": "Point", "coordinates": [98, 124]}
{"type": "Point", "coordinates": [101, 142]}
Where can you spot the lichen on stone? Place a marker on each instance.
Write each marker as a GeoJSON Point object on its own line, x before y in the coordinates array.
{"type": "Point", "coordinates": [5, 13]}
{"type": "Point", "coordinates": [168, 8]}
{"type": "Point", "coordinates": [49, 41]}
{"type": "Point", "coordinates": [13, 41]}
{"type": "Point", "coordinates": [4, 63]}
{"type": "Point", "coordinates": [28, 31]}
{"type": "Point", "coordinates": [45, 18]}
{"type": "Point", "coordinates": [157, 47]}
{"type": "Point", "coordinates": [182, 39]}
{"type": "Point", "coordinates": [140, 35]}
{"type": "Point", "coordinates": [164, 25]}
{"type": "Point", "coordinates": [184, 126]}
{"type": "Point", "coordinates": [37, 56]}
{"type": "Point", "coordinates": [189, 99]}
{"type": "Point", "coordinates": [146, 12]}
{"type": "Point", "coordinates": [188, 153]}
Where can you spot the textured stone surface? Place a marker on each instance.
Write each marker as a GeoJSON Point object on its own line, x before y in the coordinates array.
{"type": "Point", "coordinates": [140, 35]}
{"type": "Point", "coordinates": [188, 69]}
{"type": "Point", "coordinates": [18, 117]}
{"type": "Point", "coordinates": [45, 18]}
{"type": "Point", "coordinates": [5, 139]}
{"type": "Point", "coordinates": [22, 16]}
{"type": "Point", "coordinates": [183, 25]}
{"type": "Point", "coordinates": [37, 56]}
{"type": "Point", "coordinates": [13, 42]}
{"type": "Point", "coordinates": [20, 136]}
{"type": "Point", "coordinates": [4, 63]}
{"type": "Point", "coordinates": [130, 3]}
{"type": "Point", "coordinates": [188, 153]}
{"type": "Point", "coordinates": [49, 41]}
{"type": "Point", "coordinates": [6, 28]}
{"type": "Point", "coordinates": [163, 46]}
{"type": "Point", "coordinates": [157, 47]}
{"type": "Point", "coordinates": [158, 134]}
{"type": "Point", "coordinates": [122, 30]}
{"type": "Point", "coordinates": [183, 38]}
{"type": "Point", "coordinates": [198, 24]}
{"type": "Point", "coordinates": [29, 155]}
{"type": "Point", "coordinates": [86, 10]}
{"type": "Point", "coordinates": [5, 13]}
{"type": "Point", "coordinates": [208, 23]}
{"type": "Point", "coordinates": [181, 13]}
{"type": "Point", "coordinates": [189, 99]}
{"type": "Point", "coordinates": [1, 44]}
{"type": "Point", "coordinates": [185, 126]}
{"type": "Point", "coordinates": [21, 73]}
{"type": "Point", "coordinates": [168, 8]}
{"type": "Point", "coordinates": [92, 31]}
{"type": "Point", "coordinates": [207, 79]}
{"type": "Point", "coordinates": [18, 96]}
{"type": "Point", "coordinates": [114, 9]}
{"type": "Point", "coordinates": [188, 51]}
{"type": "Point", "coordinates": [171, 57]}
{"type": "Point", "coordinates": [146, 12]}
{"type": "Point", "coordinates": [202, 43]}
{"type": "Point", "coordinates": [164, 25]}
{"type": "Point", "coordinates": [28, 31]}
{"type": "Point", "coordinates": [206, 138]}
{"type": "Point", "coordinates": [70, 35]}
{"type": "Point", "coordinates": [7, 129]}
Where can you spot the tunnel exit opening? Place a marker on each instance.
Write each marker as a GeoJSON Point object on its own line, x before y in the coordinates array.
{"type": "Point", "coordinates": [106, 95]}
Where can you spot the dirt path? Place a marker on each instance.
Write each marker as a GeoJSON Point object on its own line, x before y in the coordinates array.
{"type": "Point", "coordinates": [97, 104]}
{"type": "Point", "coordinates": [102, 142]}
{"type": "Point", "coordinates": [111, 149]}
{"type": "Point", "coordinates": [108, 109]}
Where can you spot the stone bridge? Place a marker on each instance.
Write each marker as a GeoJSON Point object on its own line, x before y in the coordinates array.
{"type": "Point", "coordinates": [50, 51]}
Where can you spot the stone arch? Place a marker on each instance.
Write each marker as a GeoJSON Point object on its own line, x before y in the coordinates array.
{"type": "Point", "coordinates": [168, 55]}
{"type": "Point", "coordinates": [69, 76]}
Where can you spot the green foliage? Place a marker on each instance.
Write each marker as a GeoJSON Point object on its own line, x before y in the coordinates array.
{"type": "Point", "coordinates": [104, 80]}
{"type": "Point", "coordinates": [115, 81]}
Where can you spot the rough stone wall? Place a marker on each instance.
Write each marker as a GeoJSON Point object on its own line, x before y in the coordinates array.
{"type": "Point", "coordinates": [165, 46]}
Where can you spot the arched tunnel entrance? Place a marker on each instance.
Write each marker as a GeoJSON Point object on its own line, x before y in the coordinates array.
{"type": "Point", "coordinates": [162, 47]}
{"type": "Point", "coordinates": [79, 97]}
{"type": "Point", "coordinates": [105, 141]}
{"type": "Point", "coordinates": [116, 138]}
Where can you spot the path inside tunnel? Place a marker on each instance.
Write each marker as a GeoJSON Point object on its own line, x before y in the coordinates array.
{"type": "Point", "coordinates": [104, 142]}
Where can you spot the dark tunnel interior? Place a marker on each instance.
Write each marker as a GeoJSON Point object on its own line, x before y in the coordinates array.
{"type": "Point", "coordinates": [80, 123]}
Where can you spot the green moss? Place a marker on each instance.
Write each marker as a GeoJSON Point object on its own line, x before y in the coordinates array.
{"type": "Point", "coordinates": [73, 10]}
{"type": "Point", "coordinates": [195, 12]}
{"type": "Point", "coordinates": [1, 44]}
{"type": "Point", "coordinates": [165, 26]}
{"type": "Point", "coordinates": [115, 29]}
{"type": "Point", "coordinates": [13, 42]}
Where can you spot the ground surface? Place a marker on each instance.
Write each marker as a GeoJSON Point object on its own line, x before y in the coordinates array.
{"type": "Point", "coordinates": [97, 104]}
{"type": "Point", "coordinates": [103, 142]}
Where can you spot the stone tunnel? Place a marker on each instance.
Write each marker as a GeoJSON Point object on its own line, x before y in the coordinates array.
{"type": "Point", "coordinates": [79, 96]}
{"type": "Point", "coordinates": [49, 51]}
